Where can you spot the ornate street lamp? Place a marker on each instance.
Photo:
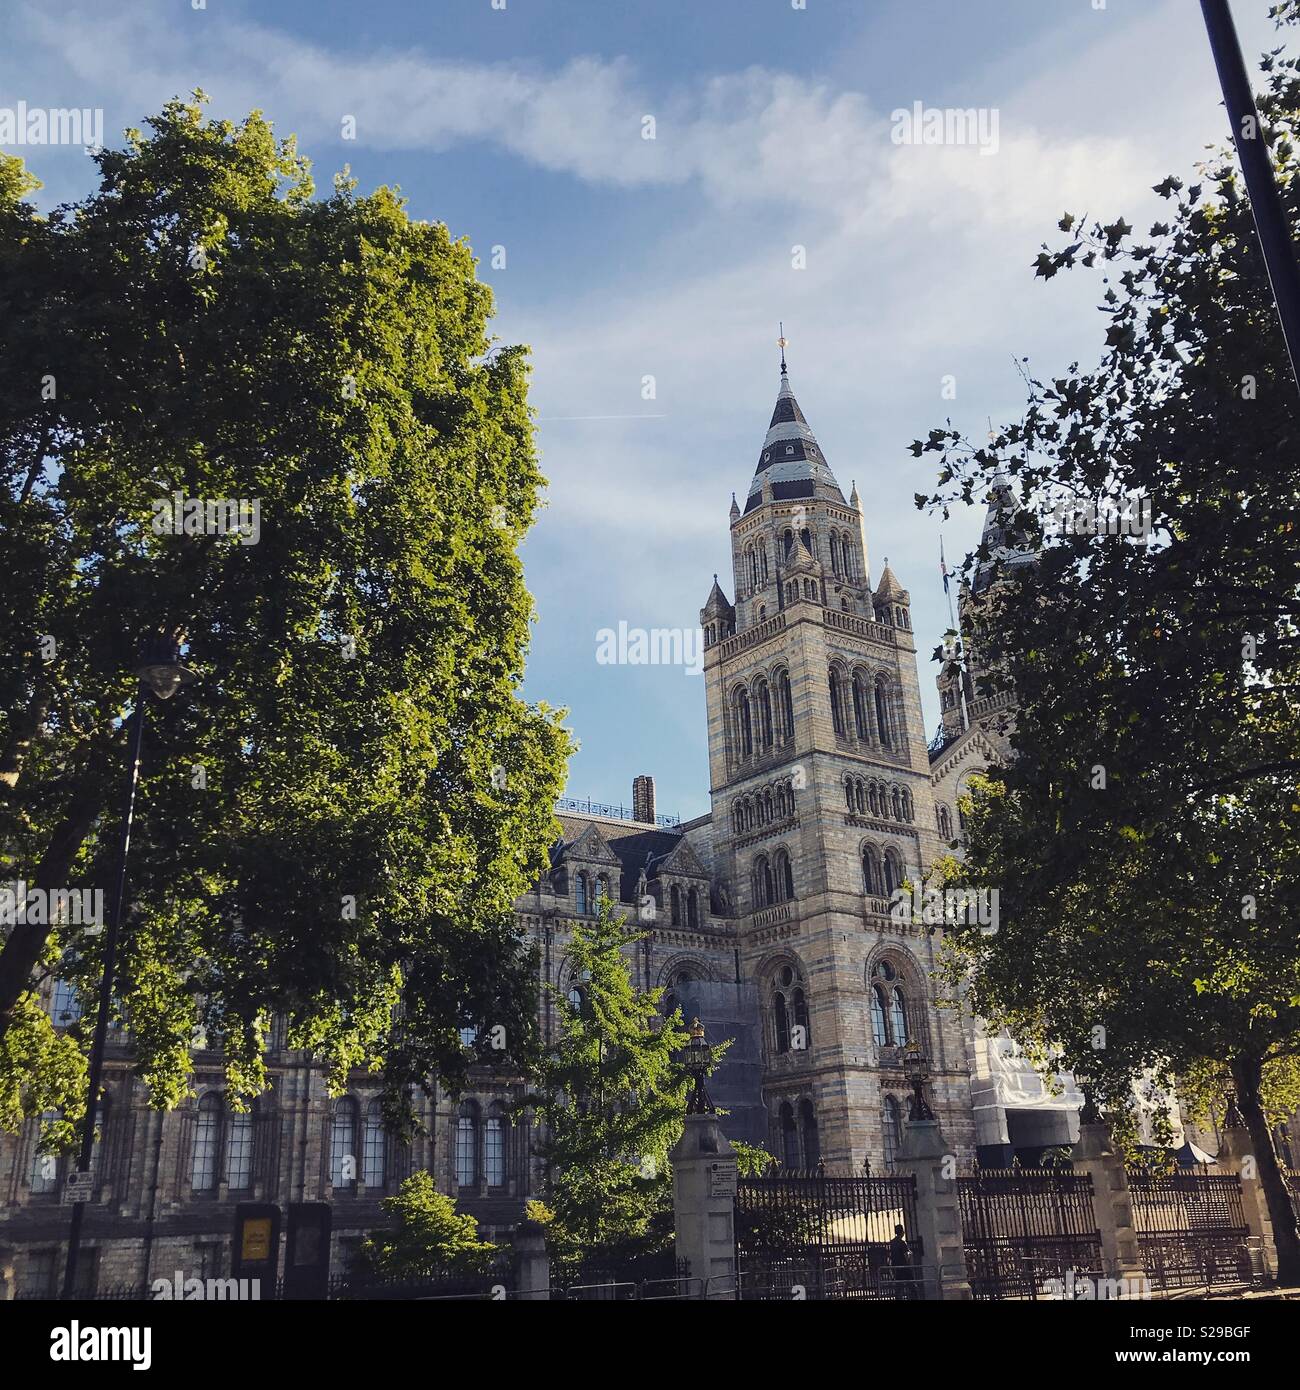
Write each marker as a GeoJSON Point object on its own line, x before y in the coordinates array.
{"type": "Point", "coordinates": [159, 671]}
{"type": "Point", "coordinates": [697, 1055]}
{"type": "Point", "coordinates": [917, 1070]}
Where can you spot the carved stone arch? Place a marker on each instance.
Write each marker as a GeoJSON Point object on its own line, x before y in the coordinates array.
{"type": "Point", "coordinates": [696, 965]}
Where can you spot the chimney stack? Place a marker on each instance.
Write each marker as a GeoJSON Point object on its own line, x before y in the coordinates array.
{"type": "Point", "coordinates": [643, 799]}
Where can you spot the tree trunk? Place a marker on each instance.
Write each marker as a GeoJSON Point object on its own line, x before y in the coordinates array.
{"type": "Point", "coordinates": [1246, 1074]}
{"type": "Point", "coordinates": [26, 941]}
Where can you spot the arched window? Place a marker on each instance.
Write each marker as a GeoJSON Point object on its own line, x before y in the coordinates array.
{"type": "Point", "coordinates": [861, 721]}
{"type": "Point", "coordinates": [892, 1130]}
{"type": "Point", "coordinates": [789, 1138]}
{"type": "Point", "coordinates": [871, 882]}
{"type": "Point", "coordinates": [882, 715]}
{"type": "Point", "coordinates": [762, 561]}
{"type": "Point", "coordinates": [837, 704]}
{"type": "Point", "coordinates": [692, 908]}
{"type": "Point", "coordinates": [784, 877]}
{"type": "Point", "coordinates": [675, 901]}
{"type": "Point", "coordinates": [580, 894]}
{"type": "Point", "coordinates": [494, 1148]}
{"type": "Point", "coordinates": [744, 724]}
{"type": "Point", "coordinates": [764, 701]}
{"type": "Point", "coordinates": [786, 704]}
{"type": "Point", "coordinates": [788, 542]}
{"type": "Point", "coordinates": [861, 798]}
{"type": "Point", "coordinates": [239, 1151]}
{"type": "Point", "coordinates": [374, 1146]}
{"type": "Point", "coordinates": [343, 1143]}
{"type": "Point", "coordinates": [896, 804]}
{"type": "Point", "coordinates": [898, 1017]}
{"type": "Point", "coordinates": [44, 1173]}
{"type": "Point", "coordinates": [873, 799]}
{"type": "Point", "coordinates": [207, 1144]}
{"type": "Point", "coordinates": [812, 1150]}
{"type": "Point", "coordinates": [781, 1018]}
{"type": "Point", "coordinates": [577, 1000]}
{"type": "Point", "coordinates": [764, 892]}
{"type": "Point", "coordinates": [753, 567]}
{"type": "Point", "coordinates": [891, 874]}
{"type": "Point", "coordinates": [467, 1144]}
{"type": "Point", "coordinates": [848, 792]}
{"type": "Point", "coordinates": [945, 822]}
{"type": "Point", "coordinates": [835, 553]}
{"type": "Point", "coordinates": [602, 891]}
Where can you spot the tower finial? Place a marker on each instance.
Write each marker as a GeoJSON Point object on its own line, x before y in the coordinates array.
{"type": "Point", "coordinates": [780, 342]}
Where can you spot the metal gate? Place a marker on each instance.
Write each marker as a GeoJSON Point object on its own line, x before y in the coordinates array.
{"type": "Point", "coordinates": [821, 1237]}
{"type": "Point", "coordinates": [1028, 1231]}
{"type": "Point", "coordinates": [1190, 1229]}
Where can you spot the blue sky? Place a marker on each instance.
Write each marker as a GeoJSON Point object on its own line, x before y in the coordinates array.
{"type": "Point", "coordinates": [625, 257]}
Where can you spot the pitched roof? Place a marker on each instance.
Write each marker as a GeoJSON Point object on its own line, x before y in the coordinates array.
{"type": "Point", "coordinates": [632, 843]}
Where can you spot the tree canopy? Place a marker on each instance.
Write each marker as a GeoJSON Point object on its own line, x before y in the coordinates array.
{"type": "Point", "coordinates": [1143, 834]}
{"type": "Point", "coordinates": [337, 814]}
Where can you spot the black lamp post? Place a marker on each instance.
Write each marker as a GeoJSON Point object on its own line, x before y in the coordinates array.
{"type": "Point", "coordinates": [697, 1055]}
{"type": "Point", "coordinates": [159, 671]}
{"type": "Point", "coordinates": [1256, 166]}
{"type": "Point", "coordinates": [917, 1071]}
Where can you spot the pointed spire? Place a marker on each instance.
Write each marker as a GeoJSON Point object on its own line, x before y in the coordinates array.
{"type": "Point", "coordinates": [781, 343]}
{"type": "Point", "coordinates": [735, 512]}
{"type": "Point", "coordinates": [791, 459]}
{"type": "Point", "coordinates": [854, 500]}
{"type": "Point", "coordinates": [889, 587]}
{"type": "Point", "coordinates": [716, 605]}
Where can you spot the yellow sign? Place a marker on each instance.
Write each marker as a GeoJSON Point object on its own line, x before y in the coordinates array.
{"type": "Point", "coordinates": [256, 1242]}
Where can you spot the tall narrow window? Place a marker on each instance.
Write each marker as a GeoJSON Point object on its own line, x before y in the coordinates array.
{"type": "Point", "coordinates": [580, 895]}
{"type": "Point", "coordinates": [239, 1151]}
{"type": "Point", "coordinates": [800, 1009]}
{"type": "Point", "coordinates": [837, 712]}
{"type": "Point", "coordinates": [890, 875]}
{"type": "Point", "coordinates": [374, 1147]}
{"type": "Point", "coordinates": [44, 1173]}
{"type": "Point", "coordinates": [882, 716]}
{"type": "Point", "coordinates": [812, 1149]}
{"type": "Point", "coordinates": [859, 707]}
{"type": "Point", "coordinates": [789, 1138]}
{"type": "Point", "coordinates": [343, 1143]}
{"type": "Point", "coordinates": [494, 1148]}
{"type": "Point", "coordinates": [692, 908]}
{"type": "Point", "coordinates": [879, 1028]}
{"type": "Point", "coordinates": [602, 891]}
{"type": "Point", "coordinates": [870, 873]}
{"type": "Point", "coordinates": [899, 1018]}
{"type": "Point", "coordinates": [467, 1145]}
{"type": "Point", "coordinates": [675, 899]}
{"type": "Point", "coordinates": [835, 553]}
{"type": "Point", "coordinates": [207, 1141]}
{"type": "Point", "coordinates": [764, 715]}
{"type": "Point", "coordinates": [781, 1018]}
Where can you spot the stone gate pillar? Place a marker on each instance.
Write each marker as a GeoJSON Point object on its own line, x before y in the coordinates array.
{"type": "Point", "coordinates": [925, 1154]}
{"type": "Point", "coordinates": [1112, 1203]}
{"type": "Point", "coordinates": [704, 1204]}
{"type": "Point", "coordinates": [1237, 1155]}
{"type": "Point", "coordinates": [534, 1264]}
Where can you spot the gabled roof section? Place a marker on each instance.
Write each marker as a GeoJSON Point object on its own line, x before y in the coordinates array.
{"type": "Point", "coordinates": [629, 843]}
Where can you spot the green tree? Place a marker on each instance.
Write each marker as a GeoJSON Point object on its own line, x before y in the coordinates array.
{"type": "Point", "coordinates": [428, 1235]}
{"type": "Point", "coordinates": [1143, 837]}
{"type": "Point", "coordinates": [609, 1100]}
{"type": "Point", "coordinates": [339, 812]}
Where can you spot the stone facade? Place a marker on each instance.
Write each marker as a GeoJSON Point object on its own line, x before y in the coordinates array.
{"type": "Point", "coordinates": [772, 911]}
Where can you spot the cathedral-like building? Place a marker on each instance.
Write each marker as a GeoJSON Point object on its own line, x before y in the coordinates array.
{"type": "Point", "coordinates": [768, 918]}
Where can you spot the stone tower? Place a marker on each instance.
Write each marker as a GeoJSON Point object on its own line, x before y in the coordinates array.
{"type": "Point", "coordinates": [820, 781]}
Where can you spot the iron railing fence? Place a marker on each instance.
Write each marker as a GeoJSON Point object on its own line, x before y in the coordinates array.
{"type": "Point", "coordinates": [826, 1237]}
{"type": "Point", "coordinates": [1026, 1231]}
{"type": "Point", "coordinates": [1191, 1230]}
